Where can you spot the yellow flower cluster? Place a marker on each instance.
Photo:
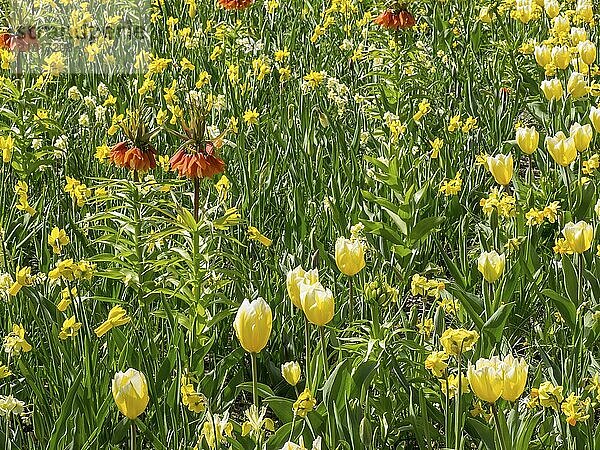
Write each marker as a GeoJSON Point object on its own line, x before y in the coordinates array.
{"type": "Point", "coordinates": [78, 191]}
{"type": "Point", "coordinates": [21, 189]}
{"type": "Point", "coordinates": [15, 343]}
{"type": "Point", "coordinates": [69, 270]}
{"type": "Point", "coordinates": [536, 217]}
{"type": "Point", "coordinates": [501, 202]}
{"type": "Point", "coordinates": [422, 287]}
{"type": "Point", "coordinates": [189, 397]}
{"type": "Point", "coordinates": [452, 186]}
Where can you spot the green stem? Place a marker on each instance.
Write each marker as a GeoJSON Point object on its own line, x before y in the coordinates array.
{"type": "Point", "coordinates": [498, 428]}
{"type": "Point", "coordinates": [132, 436]}
{"type": "Point", "coordinates": [351, 299]}
{"type": "Point", "coordinates": [307, 348]}
{"type": "Point", "coordinates": [254, 380]}
{"type": "Point", "coordinates": [457, 429]}
{"type": "Point", "coordinates": [323, 349]}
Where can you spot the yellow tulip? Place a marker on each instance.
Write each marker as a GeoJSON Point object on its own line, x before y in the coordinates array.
{"type": "Point", "coordinates": [491, 265]}
{"type": "Point", "coordinates": [501, 167]}
{"type": "Point", "coordinates": [543, 55]}
{"type": "Point", "coordinates": [485, 15]}
{"type": "Point", "coordinates": [349, 256]}
{"type": "Point", "coordinates": [527, 139]}
{"type": "Point", "coordinates": [578, 235]}
{"type": "Point", "coordinates": [577, 85]}
{"type": "Point", "coordinates": [291, 372]}
{"type": "Point", "coordinates": [317, 303]}
{"type": "Point", "coordinates": [584, 10]}
{"type": "Point", "coordinates": [561, 25]}
{"type": "Point", "coordinates": [595, 118]}
{"type": "Point", "coordinates": [587, 51]}
{"type": "Point", "coordinates": [293, 280]}
{"type": "Point", "coordinates": [515, 377]}
{"type": "Point", "coordinates": [130, 391]}
{"type": "Point", "coordinates": [552, 89]}
{"type": "Point", "coordinates": [578, 35]}
{"type": "Point", "coordinates": [486, 378]}
{"type": "Point", "coordinates": [561, 56]}
{"type": "Point", "coordinates": [582, 136]}
{"type": "Point", "coordinates": [252, 325]}
{"type": "Point", "coordinates": [562, 150]}
{"type": "Point", "coordinates": [552, 8]}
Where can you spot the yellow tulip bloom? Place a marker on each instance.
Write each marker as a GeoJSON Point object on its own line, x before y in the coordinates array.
{"type": "Point", "coordinates": [582, 136]}
{"type": "Point", "coordinates": [515, 377]}
{"type": "Point", "coordinates": [293, 280]}
{"type": "Point", "coordinates": [562, 149]}
{"type": "Point", "coordinates": [486, 378]}
{"type": "Point", "coordinates": [130, 391]}
{"type": "Point", "coordinates": [491, 265]}
{"type": "Point", "coordinates": [317, 303]}
{"type": "Point", "coordinates": [527, 139]}
{"type": "Point", "coordinates": [252, 325]}
{"type": "Point", "coordinates": [291, 372]}
{"type": "Point", "coordinates": [578, 235]}
{"type": "Point", "coordinates": [349, 256]}
{"type": "Point", "coordinates": [501, 167]}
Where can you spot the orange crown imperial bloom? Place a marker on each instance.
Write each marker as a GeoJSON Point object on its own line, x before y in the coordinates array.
{"type": "Point", "coordinates": [22, 40]}
{"type": "Point", "coordinates": [132, 157]}
{"type": "Point", "coordinates": [235, 4]}
{"type": "Point", "coordinates": [201, 163]}
{"type": "Point", "coordinates": [396, 17]}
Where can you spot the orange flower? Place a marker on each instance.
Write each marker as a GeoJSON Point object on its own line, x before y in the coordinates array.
{"type": "Point", "coordinates": [395, 19]}
{"type": "Point", "coordinates": [235, 4]}
{"type": "Point", "coordinates": [21, 41]}
{"type": "Point", "coordinates": [132, 157]}
{"type": "Point", "coordinates": [203, 163]}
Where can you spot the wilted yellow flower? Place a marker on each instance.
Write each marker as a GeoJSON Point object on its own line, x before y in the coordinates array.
{"type": "Point", "coordinates": [291, 372]}
{"type": "Point", "coordinates": [550, 396]}
{"type": "Point", "coordinates": [117, 316]}
{"type": "Point", "coordinates": [256, 420]}
{"type": "Point", "coordinates": [130, 392]}
{"type": "Point", "coordinates": [252, 324]}
{"type": "Point", "coordinates": [457, 341]}
{"type": "Point", "coordinates": [578, 235]}
{"type": "Point", "coordinates": [222, 426]}
{"type": "Point", "coordinates": [491, 265]}
{"type": "Point", "coordinates": [436, 362]}
{"type": "Point", "coordinates": [304, 404]}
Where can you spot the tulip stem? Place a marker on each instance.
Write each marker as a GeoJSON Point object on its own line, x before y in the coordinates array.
{"type": "Point", "coordinates": [325, 364]}
{"type": "Point", "coordinates": [351, 300]}
{"type": "Point", "coordinates": [498, 428]}
{"type": "Point", "coordinates": [132, 436]}
{"type": "Point", "coordinates": [254, 380]}
{"type": "Point", "coordinates": [307, 347]}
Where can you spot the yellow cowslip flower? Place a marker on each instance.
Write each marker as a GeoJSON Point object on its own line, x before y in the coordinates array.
{"type": "Point", "coordinates": [295, 278]}
{"type": "Point", "coordinates": [256, 421]}
{"type": "Point", "coordinates": [452, 186]}
{"type": "Point", "coordinates": [550, 212]}
{"type": "Point", "coordinates": [577, 85]}
{"type": "Point", "coordinates": [575, 409]}
{"type": "Point", "coordinates": [317, 302]}
{"type": "Point", "coordinates": [281, 54]}
{"type": "Point", "coordinates": [22, 278]}
{"type": "Point", "coordinates": [251, 117]}
{"type": "Point", "coordinates": [102, 152]}
{"type": "Point", "coordinates": [590, 165]}
{"type": "Point", "coordinates": [562, 247]}
{"type": "Point", "coordinates": [70, 328]}
{"type": "Point", "coordinates": [578, 235]}
{"type": "Point", "coordinates": [534, 217]}
{"type": "Point", "coordinates": [194, 401]}
{"type": "Point", "coordinates": [117, 316]}
{"type": "Point", "coordinates": [425, 327]}
{"type": "Point", "coordinates": [130, 392]}
{"type": "Point", "coordinates": [252, 324]}
{"type": "Point", "coordinates": [455, 123]}
{"type": "Point", "coordinates": [486, 378]}
{"type": "Point", "coordinates": [7, 144]}
{"type": "Point", "coordinates": [66, 298]}
{"type": "Point", "coordinates": [304, 404]}
{"type": "Point", "coordinates": [285, 74]}
{"type": "Point", "coordinates": [515, 377]}
{"type": "Point", "coordinates": [4, 371]}
{"type": "Point", "coordinates": [436, 146]}
{"type": "Point", "coordinates": [542, 54]}
{"type": "Point", "coordinates": [550, 396]}
{"type": "Point", "coordinates": [15, 343]}
{"type": "Point", "coordinates": [57, 239]}
{"type": "Point", "coordinates": [291, 372]}
{"type": "Point", "coordinates": [562, 149]}
{"type": "Point", "coordinates": [501, 167]}
{"type": "Point", "coordinates": [449, 386]}
{"type": "Point", "coordinates": [582, 136]}
{"type": "Point", "coordinates": [457, 341]}
{"type": "Point", "coordinates": [222, 426]}
{"type": "Point", "coordinates": [491, 265]}
{"type": "Point", "coordinates": [449, 305]}
{"type": "Point", "coordinates": [314, 79]}
{"type": "Point", "coordinates": [527, 139]}
{"type": "Point", "coordinates": [552, 89]}
{"type": "Point", "coordinates": [436, 362]}
{"type": "Point", "coordinates": [349, 256]}
{"type": "Point", "coordinates": [255, 235]}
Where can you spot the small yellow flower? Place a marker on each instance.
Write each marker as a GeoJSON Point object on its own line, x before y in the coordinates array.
{"type": "Point", "coordinates": [255, 235]}
{"type": "Point", "coordinates": [251, 117]}
{"type": "Point", "coordinates": [70, 328]}
{"type": "Point", "coordinates": [117, 316]}
{"type": "Point", "coordinates": [436, 362]}
{"type": "Point", "coordinates": [304, 404]}
{"type": "Point", "coordinates": [57, 239]}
